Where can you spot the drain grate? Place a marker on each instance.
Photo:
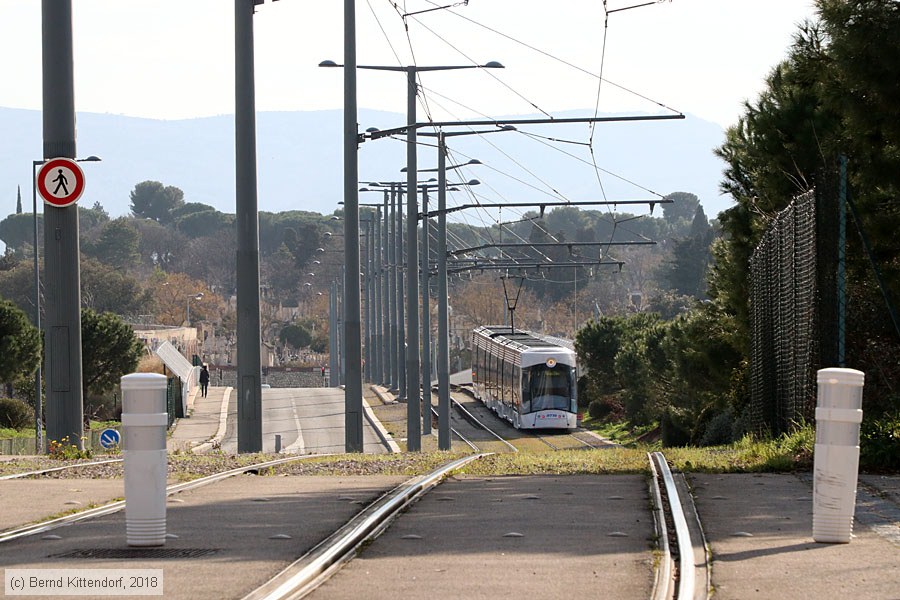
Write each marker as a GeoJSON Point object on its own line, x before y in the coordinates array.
{"type": "Point", "coordinates": [145, 553]}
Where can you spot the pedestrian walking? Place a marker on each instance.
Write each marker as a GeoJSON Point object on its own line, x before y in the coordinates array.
{"type": "Point", "coordinates": [204, 380]}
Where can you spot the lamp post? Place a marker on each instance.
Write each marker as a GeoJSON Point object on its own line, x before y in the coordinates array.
{"type": "Point", "coordinates": [196, 296]}
{"type": "Point", "coordinates": [414, 432]}
{"type": "Point", "coordinates": [38, 396]}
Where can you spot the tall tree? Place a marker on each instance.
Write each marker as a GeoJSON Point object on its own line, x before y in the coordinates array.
{"type": "Point", "coordinates": [109, 350]}
{"type": "Point", "coordinates": [153, 200]}
{"type": "Point", "coordinates": [117, 245]}
{"type": "Point", "coordinates": [20, 344]}
{"type": "Point", "coordinates": [107, 289]}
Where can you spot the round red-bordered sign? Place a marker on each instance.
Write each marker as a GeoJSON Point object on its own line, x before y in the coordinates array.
{"type": "Point", "coordinates": [60, 181]}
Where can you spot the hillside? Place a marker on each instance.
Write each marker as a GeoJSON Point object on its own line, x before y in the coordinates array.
{"type": "Point", "coordinates": [300, 165]}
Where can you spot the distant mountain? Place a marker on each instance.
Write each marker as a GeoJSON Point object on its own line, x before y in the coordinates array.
{"type": "Point", "coordinates": [300, 159]}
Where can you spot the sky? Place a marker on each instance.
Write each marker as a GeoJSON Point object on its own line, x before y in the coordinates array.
{"type": "Point", "coordinates": [173, 59]}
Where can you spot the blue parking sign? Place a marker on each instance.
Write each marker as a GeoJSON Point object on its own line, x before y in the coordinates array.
{"type": "Point", "coordinates": [110, 438]}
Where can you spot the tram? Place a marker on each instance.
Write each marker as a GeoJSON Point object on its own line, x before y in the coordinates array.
{"type": "Point", "coordinates": [526, 379]}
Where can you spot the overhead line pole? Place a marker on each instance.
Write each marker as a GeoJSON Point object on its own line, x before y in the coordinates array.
{"type": "Point", "coordinates": [249, 401]}
{"type": "Point", "coordinates": [62, 326]}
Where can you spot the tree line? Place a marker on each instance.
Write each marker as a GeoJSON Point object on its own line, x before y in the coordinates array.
{"type": "Point", "coordinates": [835, 94]}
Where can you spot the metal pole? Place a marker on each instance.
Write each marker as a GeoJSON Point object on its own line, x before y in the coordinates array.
{"type": "Point", "coordinates": [413, 414]}
{"type": "Point", "coordinates": [366, 282]}
{"type": "Point", "coordinates": [378, 308]}
{"type": "Point", "coordinates": [370, 309]}
{"type": "Point", "coordinates": [426, 322]}
{"type": "Point", "coordinates": [353, 426]}
{"type": "Point", "coordinates": [401, 317]}
{"type": "Point", "coordinates": [443, 360]}
{"type": "Point", "coordinates": [392, 300]}
{"type": "Point", "coordinates": [38, 396]}
{"type": "Point", "coordinates": [65, 410]}
{"type": "Point", "coordinates": [385, 298]}
{"type": "Point", "coordinates": [332, 334]}
{"type": "Point", "coordinates": [249, 401]}
{"type": "Point", "coordinates": [342, 340]}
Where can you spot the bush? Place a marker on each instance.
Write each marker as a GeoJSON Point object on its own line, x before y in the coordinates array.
{"type": "Point", "coordinates": [675, 427]}
{"type": "Point", "coordinates": [597, 409]}
{"type": "Point", "coordinates": [15, 414]}
{"type": "Point", "coordinates": [607, 408]}
{"type": "Point", "coordinates": [879, 441]}
{"type": "Point", "coordinates": [718, 430]}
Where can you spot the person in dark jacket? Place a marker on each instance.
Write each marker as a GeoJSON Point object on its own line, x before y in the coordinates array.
{"type": "Point", "coordinates": [204, 380]}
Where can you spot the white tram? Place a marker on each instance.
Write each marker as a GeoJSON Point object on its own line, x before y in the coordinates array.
{"type": "Point", "coordinates": [525, 379]}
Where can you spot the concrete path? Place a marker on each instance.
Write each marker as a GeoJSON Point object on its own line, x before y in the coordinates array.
{"type": "Point", "coordinates": [202, 423]}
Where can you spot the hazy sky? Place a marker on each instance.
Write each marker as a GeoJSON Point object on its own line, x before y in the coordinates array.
{"type": "Point", "coordinates": [172, 59]}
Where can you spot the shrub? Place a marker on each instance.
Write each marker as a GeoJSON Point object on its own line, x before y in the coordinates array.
{"type": "Point", "coordinates": [15, 414]}
{"type": "Point", "coordinates": [675, 427]}
{"type": "Point", "coordinates": [879, 441]}
{"type": "Point", "coordinates": [718, 430]}
{"type": "Point", "coordinates": [597, 409]}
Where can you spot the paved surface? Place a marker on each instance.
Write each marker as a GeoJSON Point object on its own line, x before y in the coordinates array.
{"type": "Point", "coordinates": [203, 422]}
{"type": "Point", "coordinates": [309, 421]}
{"type": "Point", "coordinates": [759, 528]}
{"type": "Point", "coordinates": [25, 501]}
{"type": "Point", "coordinates": [453, 543]}
{"type": "Point", "coordinates": [511, 537]}
{"type": "Point", "coordinates": [235, 518]}
{"type": "Point", "coordinates": [580, 536]}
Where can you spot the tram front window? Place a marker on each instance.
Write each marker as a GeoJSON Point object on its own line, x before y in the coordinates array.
{"type": "Point", "coordinates": [551, 388]}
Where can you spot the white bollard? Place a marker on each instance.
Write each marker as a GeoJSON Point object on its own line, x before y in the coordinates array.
{"type": "Point", "coordinates": [144, 421]}
{"type": "Point", "coordinates": [836, 463]}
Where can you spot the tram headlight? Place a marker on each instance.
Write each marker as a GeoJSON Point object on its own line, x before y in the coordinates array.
{"type": "Point", "coordinates": [551, 362]}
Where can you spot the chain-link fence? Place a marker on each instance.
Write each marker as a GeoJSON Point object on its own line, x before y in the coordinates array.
{"type": "Point", "coordinates": [792, 311]}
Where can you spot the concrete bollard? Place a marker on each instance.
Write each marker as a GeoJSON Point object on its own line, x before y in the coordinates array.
{"type": "Point", "coordinates": [144, 421]}
{"type": "Point", "coordinates": [836, 463]}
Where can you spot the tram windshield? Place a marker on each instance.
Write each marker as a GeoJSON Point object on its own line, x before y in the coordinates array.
{"type": "Point", "coordinates": [549, 388]}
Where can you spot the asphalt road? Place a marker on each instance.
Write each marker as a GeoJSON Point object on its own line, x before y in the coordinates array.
{"type": "Point", "coordinates": [309, 421]}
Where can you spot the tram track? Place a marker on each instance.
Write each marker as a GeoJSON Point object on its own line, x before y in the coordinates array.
{"type": "Point", "coordinates": [677, 575]}
{"type": "Point", "coordinates": [680, 572]}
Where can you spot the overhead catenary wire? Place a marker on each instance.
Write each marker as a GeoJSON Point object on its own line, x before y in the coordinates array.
{"type": "Point", "coordinates": [426, 100]}
{"type": "Point", "coordinates": [558, 59]}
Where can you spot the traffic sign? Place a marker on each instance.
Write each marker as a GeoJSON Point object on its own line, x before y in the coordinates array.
{"type": "Point", "coordinates": [110, 438]}
{"type": "Point", "coordinates": [60, 182]}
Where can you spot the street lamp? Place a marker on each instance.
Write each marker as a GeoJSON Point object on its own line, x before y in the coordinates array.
{"type": "Point", "coordinates": [414, 420]}
{"type": "Point", "coordinates": [196, 296]}
{"type": "Point", "coordinates": [38, 398]}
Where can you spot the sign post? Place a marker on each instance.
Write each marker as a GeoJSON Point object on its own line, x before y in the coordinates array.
{"type": "Point", "coordinates": [60, 182]}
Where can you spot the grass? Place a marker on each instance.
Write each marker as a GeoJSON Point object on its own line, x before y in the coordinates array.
{"type": "Point", "coordinates": [622, 433]}
{"type": "Point", "coordinates": [788, 453]}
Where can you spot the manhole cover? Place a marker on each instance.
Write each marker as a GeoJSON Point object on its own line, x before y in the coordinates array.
{"type": "Point", "coordinates": [145, 553]}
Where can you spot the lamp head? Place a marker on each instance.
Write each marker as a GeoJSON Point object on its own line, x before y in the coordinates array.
{"type": "Point", "coordinates": [329, 63]}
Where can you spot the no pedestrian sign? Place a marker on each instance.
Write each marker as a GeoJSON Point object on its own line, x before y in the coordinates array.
{"type": "Point", "coordinates": [60, 182]}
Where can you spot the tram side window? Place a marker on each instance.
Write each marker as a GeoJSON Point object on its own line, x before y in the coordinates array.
{"type": "Point", "coordinates": [515, 388]}
{"type": "Point", "coordinates": [508, 382]}
{"type": "Point", "coordinates": [526, 390]}
{"type": "Point", "coordinates": [502, 380]}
